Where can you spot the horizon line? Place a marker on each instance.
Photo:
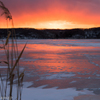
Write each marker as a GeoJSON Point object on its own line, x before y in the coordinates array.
{"type": "Point", "coordinates": [47, 28]}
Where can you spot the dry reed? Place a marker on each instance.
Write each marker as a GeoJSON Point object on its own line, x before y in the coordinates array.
{"type": "Point", "coordinates": [12, 61]}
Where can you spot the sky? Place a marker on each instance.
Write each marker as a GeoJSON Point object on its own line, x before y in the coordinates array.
{"type": "Point", "coordinates": [52, 14]}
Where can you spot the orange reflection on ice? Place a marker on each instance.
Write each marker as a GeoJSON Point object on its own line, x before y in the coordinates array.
{"type": "Point", "coordinates": [56, 58]}
{"type": "Point", "coordinates": [47, 47]}
{"type": "Point", "coordinates": [60, 63]}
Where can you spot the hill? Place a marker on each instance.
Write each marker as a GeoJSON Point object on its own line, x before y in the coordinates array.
{"type": "Point", "coordinates": [29, 33]}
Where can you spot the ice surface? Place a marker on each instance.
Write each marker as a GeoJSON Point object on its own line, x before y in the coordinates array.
{"type": "Point", "coordinates": [3, 66]}
{"type": "Point", "coordinates": [57, 76]}
{"type": "Point", "coordinates": [70, 42]}
{"type": "Point", "coordinates": [75, 62]}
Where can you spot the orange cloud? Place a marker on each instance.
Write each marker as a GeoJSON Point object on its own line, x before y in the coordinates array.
{"type": "Point", "coordinates": [54, 13]}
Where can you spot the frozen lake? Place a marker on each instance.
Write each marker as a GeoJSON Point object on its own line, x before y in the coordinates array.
{"type": "Point", "coordinates": [62, 63]}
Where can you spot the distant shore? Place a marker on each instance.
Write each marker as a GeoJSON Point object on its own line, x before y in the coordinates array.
{"type": "Point", "coordinates": [31, 33]}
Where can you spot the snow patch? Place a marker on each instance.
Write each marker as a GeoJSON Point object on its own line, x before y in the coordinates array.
{"type": "Point", "coordinates": [27, 84]}
{"type": "Point", "coordinates": [3, 66]}
{"type": "Point", "coordinates": [57, 76]}
{"type": "Point", "coordinates": [73, 82]}
{"type": "Point", "coordinates": [52, 94]}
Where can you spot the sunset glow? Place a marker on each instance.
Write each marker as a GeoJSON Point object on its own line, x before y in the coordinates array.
{"type": "Point", "coordinates": [53, 14]}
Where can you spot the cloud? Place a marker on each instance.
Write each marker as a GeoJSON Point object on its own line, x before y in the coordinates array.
{"type": "Point", "coordinates": [90, 6]}
{"type": "Point", "coordinates": [21, 6]}
{"type": "Point", "coordinates": [35, 11]}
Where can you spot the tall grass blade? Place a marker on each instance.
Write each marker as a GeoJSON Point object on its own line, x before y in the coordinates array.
{"type": "Point", "coordinates": [8, 38]}
{"type": "Point", "coordinates": [21, 75]}
{"type": "Point", "coordinates": [6, 62]}
{"type": "Point", "coordinates": [17, 60]}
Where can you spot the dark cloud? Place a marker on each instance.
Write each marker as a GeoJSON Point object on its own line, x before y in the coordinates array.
{"type": "Point", "coordinates": [90, 6]}
{"type": "Point", "coordinates": [18, 7]}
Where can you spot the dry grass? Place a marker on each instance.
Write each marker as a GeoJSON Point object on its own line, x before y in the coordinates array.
{"type": "Point", "coordinates": [12, 61]}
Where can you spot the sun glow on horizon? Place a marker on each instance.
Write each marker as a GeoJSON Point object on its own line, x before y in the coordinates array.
{"type": "Point", "coordinates": [60, 24]}
{"type": "Point", "coordinates": [56, 24]}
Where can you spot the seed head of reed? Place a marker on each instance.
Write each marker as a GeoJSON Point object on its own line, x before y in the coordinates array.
{"type": "Point", "coordinates": [5, 12]}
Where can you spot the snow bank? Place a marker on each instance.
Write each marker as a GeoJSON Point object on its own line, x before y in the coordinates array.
{"type": "Point", "coordinates": [52, 94]}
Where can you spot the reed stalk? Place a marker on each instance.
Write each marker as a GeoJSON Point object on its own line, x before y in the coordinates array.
{"type": "Point", "coordinates": [12, 60]}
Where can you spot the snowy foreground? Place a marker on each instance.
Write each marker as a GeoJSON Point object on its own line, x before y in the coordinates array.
{"type": "Point", "coordinates": [53, 93]}
{"type": "Point", "coordinates": [57, 94]}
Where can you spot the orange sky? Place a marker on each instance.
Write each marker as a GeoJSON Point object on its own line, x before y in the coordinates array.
{"type": "Point", "coordinates": [57, 14]}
